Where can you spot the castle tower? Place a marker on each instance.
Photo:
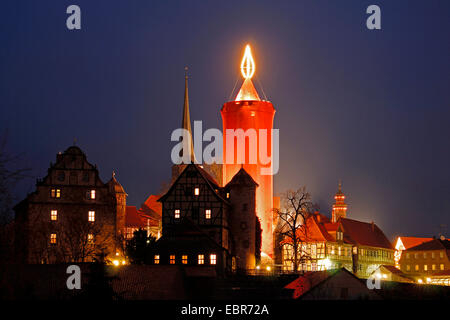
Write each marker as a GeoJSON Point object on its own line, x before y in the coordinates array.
{"type": "Point", "coordinates": [340, 207]}
{"type": "Point", "coordinates": [246, 112]}
{"type": "Point", "coordinates": [121, 203]}
{"type": "Point", "coordinates": [242, 190]}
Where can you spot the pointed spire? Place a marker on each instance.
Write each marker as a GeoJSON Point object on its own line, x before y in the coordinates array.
{"type": "Point", "coordinates": [340, 186]}
{"type": "Point", "coordinates": [186, 122]}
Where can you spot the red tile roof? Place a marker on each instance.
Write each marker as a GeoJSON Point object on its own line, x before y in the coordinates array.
{"type": "Point", "coordinates": [364, 233]}
{"type": "Point", "coordinates": [132, 218]}
{"type": "Point", "coordinates": [409, 242]}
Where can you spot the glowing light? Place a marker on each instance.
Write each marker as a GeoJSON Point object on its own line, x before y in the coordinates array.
{"type": "Point", "coordinates": [116, 262]}
{"type": "Point", "coordinates": [384, 276]}
{"type": "Point", "coordinates": [124, 262]}
{"type": "Point", "coordinates": [420, 281]}
{"type": "Point", "coordinates": [258, 267]}
{"type": "Point", "coordinates": [268, 268]}
{"type": "Point", "coordinates": [247, 64]}
{"type": "Point", "coordinates": [428, 280]}
{"type": "Point", "coordinates": [324, 264]}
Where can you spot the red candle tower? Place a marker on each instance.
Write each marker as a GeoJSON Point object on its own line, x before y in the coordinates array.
{"type": "Point", "coordinates": [248, 111]}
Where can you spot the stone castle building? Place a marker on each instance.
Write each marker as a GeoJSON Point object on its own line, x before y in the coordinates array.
{"type": "Point", "coordinates": [72, 216]}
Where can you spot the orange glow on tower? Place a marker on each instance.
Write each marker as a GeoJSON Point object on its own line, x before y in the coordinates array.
{"type": "Point", "coordinates": [340, 207]}
{"type": "Point", "coordinates": [248, 111]}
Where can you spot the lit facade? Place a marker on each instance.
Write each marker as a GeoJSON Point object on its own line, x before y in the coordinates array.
{"type": "Point", "coordinates": [359, 247]}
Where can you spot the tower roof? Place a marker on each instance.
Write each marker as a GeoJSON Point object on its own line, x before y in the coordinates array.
{"type": "Point", "coordinates": [242, 178]}
{"type": "Point", "coordinates": [186, 121]}
{"type": "Point", "coordinates": [115, 185]}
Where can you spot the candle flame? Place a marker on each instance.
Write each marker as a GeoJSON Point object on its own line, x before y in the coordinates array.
{"type": "Point", "coordinates": [247, 64]}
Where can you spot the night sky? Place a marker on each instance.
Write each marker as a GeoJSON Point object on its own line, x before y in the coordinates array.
{"type": "Point", "coordinates": [368, 107]}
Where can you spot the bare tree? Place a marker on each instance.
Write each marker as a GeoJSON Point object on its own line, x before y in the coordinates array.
{"type": "Point", "coordinates": [293, 215]}
{"type": "Point", "coordinates": [9, 176]}
{"type": "Point", "coordinates": [83, 241]}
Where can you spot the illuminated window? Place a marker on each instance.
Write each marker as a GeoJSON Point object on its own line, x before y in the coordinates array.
{"type": "Point", "coordinates": [177, 213]}
{"type": "Point", "coordinates": [201, 259]}
{"type": "Point", "coordinates": [442, 266]}
{"type": "Point", "coordinates": [208, 214]}
{"type": "Point", "coordinates": [92, 194]}
{"type": "Point", "coordinates": [408, 267]}
{"type": "Point", "coordinates": [433, 255]}
{"type": "Point", "coordinates": [417, 267]}
{"type": "Point", "coordinates": [433, 267]}
{"type": "Point", "coordinates": [332, 249]}
{"type": "Point", "coordinates": [339, 251]}
{"type": "Point", "coordinates": [184, 259]}
{"type": "Point", "coordinates": [91, 216]}
{"type": "Point", "coordinates": [196, 191]}
{"type": "Point", "coordinates": [416, 255]}
{"type": "Point", "coordinates": [156, 258]}
{"type": "Point", "coordinates": [212, 259]}
{"type": "Point", "coordinates": [53, 238]}
{"type": "Point", "coordinates": [228, 195]}
{"type": "Point", "coordinates": [90, 238]}
{"type": "Point", "coordinates": [54, 215]}
{"type": "Point", "coordinates": [424, 255]}
{"type": "Point", "coordinates": [172, 259]}
{"type": "Point", "coordinates": [55, 193]}
{"type": "Point", "coordinates": [407, 256]}
{"type": "Point", "coordinates": [441, 254]}
{"type": "Point", "coordinates": [425, 267]}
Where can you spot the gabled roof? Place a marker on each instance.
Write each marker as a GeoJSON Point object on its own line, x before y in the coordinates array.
{"type": "Point", "coordinates": [436, 244]}
{"type": "Point", "coordinates": [409, 242]}
{"type": "Point", "coordinates": [363, 233]}
{"type": "Point", "coordinates": [210, 181]}
{"type": "Point", "coordinates": [308, 281]}
{"type": "Point", "coordinates": [151, 208]}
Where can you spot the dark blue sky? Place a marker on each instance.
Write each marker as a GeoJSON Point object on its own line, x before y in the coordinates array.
{"type": "Point", "coordinates": [368, 107]}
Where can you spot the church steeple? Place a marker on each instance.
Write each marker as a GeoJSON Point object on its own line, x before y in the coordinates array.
{"type": "Point", "coordinates": [186, 121]}
{"type": "Point", "coordinates": [340, 207]}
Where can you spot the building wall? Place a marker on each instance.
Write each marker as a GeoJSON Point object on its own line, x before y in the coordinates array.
{"type": "Point", "coordinates": [424, 262]}
{"type": "Point", "coordinates": [243, 224]}
{"type": "Point", "coordinates": [66, 189]}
